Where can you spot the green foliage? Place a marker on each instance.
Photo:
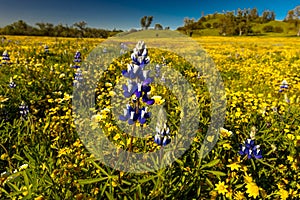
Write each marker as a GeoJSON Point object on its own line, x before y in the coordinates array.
{"type": "Point", "coordinates": [79, 29]}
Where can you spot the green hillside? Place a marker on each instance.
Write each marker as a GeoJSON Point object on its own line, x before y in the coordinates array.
{"type": "Point", "coordinates": [216, 24]}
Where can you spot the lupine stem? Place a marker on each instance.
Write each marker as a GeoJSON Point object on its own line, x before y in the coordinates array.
{"type": "Point", "coordinates": [131, 138]}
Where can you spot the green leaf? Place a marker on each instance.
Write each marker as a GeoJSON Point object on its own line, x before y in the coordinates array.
{"type": "Point", "coordinates": [100, 168]}
{"type": "Point", "coordinates": [147, 179]}
{"type": "Point", "coordinates": [18, 157]}
{"type": "Point", "coordinates": [109, 196]}
{"type": "Point", "coordinates": [209, 183]}
{"type": "Point", "coordinates": [26, 180]}
{"type": "Point", "coordinates": [217, 173]}
{"type": "Point", "coordinates": [90, 181]}
{"type": "Point", "coordinates": [265, 163]}
{"type": "Point", "coordinates": [210, 164]}
{"type": "Point", "coordinates": [180, 162]}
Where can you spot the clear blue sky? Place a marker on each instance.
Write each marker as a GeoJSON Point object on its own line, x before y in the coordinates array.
{"type": "Point", "coordinates": [126, 14]}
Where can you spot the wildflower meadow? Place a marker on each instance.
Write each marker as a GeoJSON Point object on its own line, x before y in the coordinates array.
{"type": "Point", "coordinates": [150, 123]}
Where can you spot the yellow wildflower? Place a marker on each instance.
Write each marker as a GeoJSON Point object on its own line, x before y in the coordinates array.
{"type": "Point", "coordinates": [158, 100]}
{"type": "Point", "coordinates": [234, 166]}
{"type": "Point", "coordinates": [239, 196]}
{"type": "Point", "coordinates": [283, 194]}
{"type": "Point", "coordinates": [227, 146]}
{"type": "Point", "coordinates": [248, 179]}
{"type": "Point", "coordinates": [225, 133]}
{"type": "Point", "coordinates": [221, 188]}
{"type": "Point", "coordinates": [252, 190]}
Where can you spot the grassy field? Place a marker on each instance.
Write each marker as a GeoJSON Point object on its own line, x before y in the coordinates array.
{"type": "Point", "coordinates": [43, 157]}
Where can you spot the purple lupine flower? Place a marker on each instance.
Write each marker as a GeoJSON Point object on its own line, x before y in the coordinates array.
{"type": "Point", "coordinates": [147, 100]}
{"type": "Point", "coordinates": [138, 85]}
{"type": "Point", "coordinates": [46, 49]}
{"type": "Point", "coordinates": [142, 88]}
{"type": "Point", "coordinates": [5, 56]}
{"type": "Point", "coordinates": [130, 89]}
{"type": "Point", "coordinates": [283, 86]}
{"type": "Point", "coordinates": [77, 57]}
{"type": "Point", "coordinates": [250, 149]}
{"type": "Point", "coordinates": [12, 84]}
{"type": "Point", "coordinates": [77, 60]}
{"type": "Point", "coordinates": [162, 136]}
{"type": "Point", "coordinates": [78, 75]}
{"type": "Point", "coordinates": [124, 48]}
{"type": "Point", "coordinates": [24, 110]}
{"type": "Point", "coordinates": [139, 55]}
{"type": "Point", "coordinates": [132, 71]}
{"type": "Point", "coordinates": [143, 115]}
{"type": "Point", "coordinates": [127, 113]}
{"type": "Point", "coordinates": [157, 70]}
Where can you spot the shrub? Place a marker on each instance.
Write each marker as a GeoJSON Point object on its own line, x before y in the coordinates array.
{"type": "Point", "coordinates": [208, 25]}
{"type": "Point", "coordinates": [268, 28]}
{"type": "Point", "coordinates": [278, 29]}
{"type": "Point", "coordinates": [215, 25]}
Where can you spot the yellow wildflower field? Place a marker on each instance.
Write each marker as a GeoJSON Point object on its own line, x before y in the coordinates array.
{"type": "Point", "coordinates": [255, 157]}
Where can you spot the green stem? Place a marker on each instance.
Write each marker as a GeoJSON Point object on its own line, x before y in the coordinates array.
{"type": "Point", "coordinates": [8, 159]}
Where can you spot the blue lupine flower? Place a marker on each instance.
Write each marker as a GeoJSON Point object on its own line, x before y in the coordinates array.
{"type": "Point", "coordinates": [124, 48]}
{"type": "Point", "coordinates": [131, 115]}
{"type": "Point", "coordinates": [46, 49]}
{"type": "Point", "coordinates": [77, 60]}
{"type": "Point", "coordinates": [24, 110]}
{"type": "Point", "coordinates": [77, 57]}
{"type": "Point", "coordinates": [147, 100]}
{"type": "Point", "coordinates": [142, 88]}
{"type": "Point", "coordinates": [143, 115]}
{"type": "Point", "coordinates": [132, 71]}
{"type": "Point", "coordinates": [138, 85]}
{"type": "Point", "coordinates": [157, 70]}
{"type": "Point", "coordinates": [12, 84]}
{"type": "Point", "coordinates": [162, 136]}
{"type": "Point", "coordinates": [129, 89]}
{"type": "Point", "coordinates": [5, 56]}
{"type": "Point", "coordinates": [283, 86]}
{"type": "Point", "coordinates": [78, 75]}
{"type": "Point", "coordinates": [127, 113]}
{"type": "Point", "coordinates": [250, 149]}
{"type": "Point", "coordinates": [139, 55]}
{"type": "Point", "coordinates": [144, 76]}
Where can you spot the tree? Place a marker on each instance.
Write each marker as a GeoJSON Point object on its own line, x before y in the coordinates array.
{"type": "Point", "coordinates": [253, 14]}
{"type": "Point", "coordinates": [149, 21]}
{"type": "Point", "coordinates": [293, 17]}
{"type": "Point", "coordinates": [81, 26]}
{"type": "Point", "coordinates": [146, 22]}
{"type": "Point", "coordinates": [267, 16]}
{"type": "Point", "coordinates": [187, 21]}
{"type": "Point", "coordinates": [46, 29]}
{"type": "Point", "coordinates": [158, 27]}
{"type": "Point", "coordinates": [143, 22]}
{"type": "Point", "coordinates": [227, 24]}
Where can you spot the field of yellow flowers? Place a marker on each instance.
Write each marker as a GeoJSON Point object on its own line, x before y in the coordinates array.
{"type": "Point", "coordinates": [257, 155]}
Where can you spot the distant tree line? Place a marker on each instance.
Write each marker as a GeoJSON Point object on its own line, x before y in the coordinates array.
{"type": "Point", "coordinates": [238, 22]}
{"type": "Point", "coordinates": [78, 29]}
{"type": "Point", "coordinates": [293, 17]}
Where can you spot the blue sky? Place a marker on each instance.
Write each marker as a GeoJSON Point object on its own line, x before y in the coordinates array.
{"type": "Point", "coordinates": [126, 14]}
